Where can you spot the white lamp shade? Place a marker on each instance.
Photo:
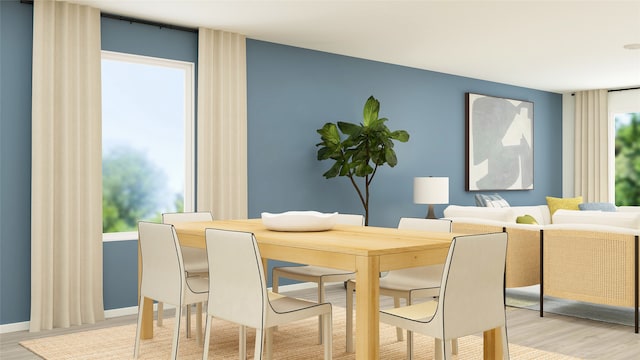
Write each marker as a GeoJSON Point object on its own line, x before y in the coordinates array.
{"type": "Point", "coordinates": [431, 190]}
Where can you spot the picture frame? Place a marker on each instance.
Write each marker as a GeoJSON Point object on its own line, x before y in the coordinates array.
{"type": "Point", "coordinates": [499, 143]}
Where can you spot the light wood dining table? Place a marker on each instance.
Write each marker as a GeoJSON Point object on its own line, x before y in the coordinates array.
{"type": "Point", "coordinates": [365, 250]}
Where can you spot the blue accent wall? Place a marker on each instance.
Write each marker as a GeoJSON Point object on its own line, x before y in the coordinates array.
{"type": "Point", "coordinates": [291, 93]}
{"type": "Point", "coordinates": [16, 23]}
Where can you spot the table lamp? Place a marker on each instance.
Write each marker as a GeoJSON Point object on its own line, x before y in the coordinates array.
{"type": "Point", "coordinates": [431, 190]}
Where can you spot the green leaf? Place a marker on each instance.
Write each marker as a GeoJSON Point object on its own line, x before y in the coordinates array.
{"type": "Point", "coordinates": [400, 135]}
{"type": "Point", "coordinates": [324, 153]}
{"type": "Point", "coordinates": [390, 155]}
{"type": "Point", "coordinates": [334, 171]}
{"type": "Point", "coordinates": [349, 128]}
{"type": "Point", "coordinates": [370, 111]}
{"type": "Point", "coordinates": [329, 134]}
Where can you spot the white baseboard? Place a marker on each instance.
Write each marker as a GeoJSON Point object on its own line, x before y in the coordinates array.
{"type": "Point", "coordinates": [13, 327]}
{"type": "Point", "coordinates": [132, 310]}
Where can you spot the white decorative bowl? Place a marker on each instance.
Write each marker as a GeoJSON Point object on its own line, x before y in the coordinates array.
{"type": "Point", "coordinates": [299, 221]}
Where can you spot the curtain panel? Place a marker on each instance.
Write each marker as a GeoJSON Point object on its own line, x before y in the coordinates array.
{"type": "Point", "coordinates": [222, 124]}
{"type": "Point", "coordinates": [591, 146]}
{"type": "Point", "coordinates": [66, 185]}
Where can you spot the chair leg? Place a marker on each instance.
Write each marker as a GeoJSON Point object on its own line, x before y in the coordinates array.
{"type": "Point", "coordinates": [136, 347]}
{"type": "Point", "coordinates": [439, 350]}
{"type": "Point", "coordinates": [349, 325]}
{"type": "Point", "coordinates": [505, 343]}
{"type": "Point", "coordinates": [176, 333]}
{"type": "Point", "coordinates": [199, 323]}
{"type": "Point", "coordinates": [274, 281]}
{"type": "Point", "coordinates": [259, 341]}
{"type": "Point", "coordinates": [207, 336]}
{"type": "Point", "coordinates": [328, 336]}
{"type": "Point", "coordinates": [409, 335]}
{"type": "Point", "coordinates": [399, 330]}
{"type": "Point", "coordinates": [268, 347]}
{"type": "Point", "coordinates": [320, 300]}
{"type": "Point", "coordinates": [188, 322]}
{"type": "Point", "coordinates": [243, 342]}
{"type": "Point", "coordinates": [443, 349]}
{"type": "Point", "coordinates": [454, 346]}
{"type": "Point", "coordinates": [160, 312]}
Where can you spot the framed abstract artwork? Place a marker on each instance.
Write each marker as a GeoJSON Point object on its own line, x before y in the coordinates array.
{"type": "Point", "coordinates": [499, 140]}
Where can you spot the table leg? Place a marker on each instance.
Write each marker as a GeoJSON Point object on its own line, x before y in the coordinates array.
{"type": "Point", "coordinates": [147, 320]}
{"type": "Point", "coordinates": [367, 308]}
{"type": "Point", "coordinates": [146, 332]}
{"type": "Point", "coordinates": [493, 344]}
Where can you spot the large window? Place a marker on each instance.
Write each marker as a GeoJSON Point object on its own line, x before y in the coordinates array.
{"type": "Point", "coordinates": [147, 139]}
{"type": "Point", "coordinates": [627, 159]}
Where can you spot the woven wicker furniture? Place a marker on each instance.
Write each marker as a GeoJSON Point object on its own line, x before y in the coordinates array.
{"type": "Point", "coordinates": [523, 262]}
{"type": "Point", "coordinates": [589, 256]}
{"type": "Point", "coordinates": [591, 263]}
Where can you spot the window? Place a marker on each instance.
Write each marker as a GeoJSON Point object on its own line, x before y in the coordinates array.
{"type": "Point", "coordinates": [147, 140]}
{"type": "Point", "coordinates": [627, 159]}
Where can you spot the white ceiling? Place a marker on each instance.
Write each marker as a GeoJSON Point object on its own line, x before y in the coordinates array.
{"type": "Point", "coordinates": [558, 46]}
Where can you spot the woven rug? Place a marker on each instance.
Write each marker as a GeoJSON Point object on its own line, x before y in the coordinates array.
{"type": "Point", "coordinates": [294, 341]}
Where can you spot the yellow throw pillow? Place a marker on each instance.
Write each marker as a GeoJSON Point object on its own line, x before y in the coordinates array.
{"type": "Point", "coordinates": [563, 203]}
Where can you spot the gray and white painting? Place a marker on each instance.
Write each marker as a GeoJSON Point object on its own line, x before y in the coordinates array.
{"type": "Point", "coordinates": [500, 143]}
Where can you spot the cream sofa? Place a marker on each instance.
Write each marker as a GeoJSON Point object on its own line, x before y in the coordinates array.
{"type": "Point", "coordinates": [589, 256]}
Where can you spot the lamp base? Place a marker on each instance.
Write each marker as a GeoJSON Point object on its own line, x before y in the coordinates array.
{"type": "Point", "coordinates": [431, 214]}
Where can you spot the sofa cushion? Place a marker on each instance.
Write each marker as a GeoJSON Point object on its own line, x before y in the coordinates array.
{"type": "Point", "coordinates": [494, 200]}
{"type": "Point", "coordinates": [563, 203]}
{"type": "Point", "coordinates": [496, 214]}
{"type": "Point", "coordinates": [601, 206]}
{"type": "Point", "coordinates": [635, 209]}
{"type": "Point", "coordinates": [618, 219]}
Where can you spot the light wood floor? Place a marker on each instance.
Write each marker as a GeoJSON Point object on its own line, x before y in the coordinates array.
{"type": "Point", "coordinates": [576, 337]}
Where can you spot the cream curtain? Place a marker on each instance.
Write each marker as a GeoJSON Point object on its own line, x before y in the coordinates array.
{"type": "Point", "coordinates": [591, 143]}
{"type": "Point", "coordinates": [222, 124]}
{"type": "Point", "coordinates": [66, 186]}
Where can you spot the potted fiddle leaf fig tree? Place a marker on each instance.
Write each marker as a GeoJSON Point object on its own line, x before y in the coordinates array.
{"type": "Point", "coordinates": [359, 149]}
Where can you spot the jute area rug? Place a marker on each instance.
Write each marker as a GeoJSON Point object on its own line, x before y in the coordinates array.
{"type": "Point", "coordinates": [295, 341]}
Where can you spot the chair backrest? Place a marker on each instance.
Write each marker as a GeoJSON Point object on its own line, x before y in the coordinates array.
{"type": "Point", "coordinates": [236, 278]}
{"type": "Point", "coordinates": [439, 225]}
{"type": "Point", "coordinates": [173, 218]}
{"type": "Point", "coordinates": [471, 291]}
{"type": "Point", "coordinates": [350, 219]}
{"type": "Point", "coordinates": [162, 267]}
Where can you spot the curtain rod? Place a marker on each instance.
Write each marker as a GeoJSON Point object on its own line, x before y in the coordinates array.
{"type": "Point", "coordinates": [136, 20]}
{"type": "Point", "coordinates": [633, 88]}
{"type": "Point", "coordinates": [612, 90]}
{"type": "Point", "coordinates": [148, 22]}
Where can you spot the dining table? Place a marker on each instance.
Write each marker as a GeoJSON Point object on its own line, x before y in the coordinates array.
{"type": "Point", "coordinates": [365, 250]}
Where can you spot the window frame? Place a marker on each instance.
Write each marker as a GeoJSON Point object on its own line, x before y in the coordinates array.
{"type": "Point", "coordinates": [189, 126]}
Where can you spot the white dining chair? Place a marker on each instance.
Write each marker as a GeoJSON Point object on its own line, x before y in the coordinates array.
{"type": "Point", "coordinates": [470, 299]}
{"type": "Point", "coordinates": [164, 277]}
{"type": "Point", "coordinates": [317, 274]}
{"type": "Point", "coordinates": [239, 294]}
{"type": "Point", "coordinates": [195, 264]}
{"type": "Point", "coordinates": [408, 284]}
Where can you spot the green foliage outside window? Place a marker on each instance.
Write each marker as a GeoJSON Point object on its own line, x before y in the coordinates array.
{"type": "Point", "coordinates": [131, 185]}
{"type": "Point", "coordinates": [627, 178]}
